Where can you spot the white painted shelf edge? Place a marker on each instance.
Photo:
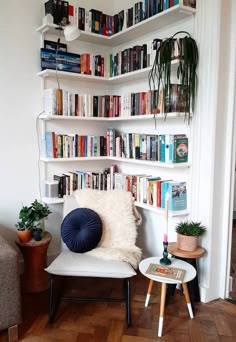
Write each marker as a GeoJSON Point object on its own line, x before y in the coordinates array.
{"type": "Point", "coordinates": [120, 118]}
{"type": "Point", "coordinates": [125, 160]}
{"type": "Point", "coordinates": [134, 75]}
{"type": "Point", "coordinates": [146, 26]}
{"type": "Point", "coordinates": [49, 201]}
{"type": "Point", "coordinates": [129, 76]}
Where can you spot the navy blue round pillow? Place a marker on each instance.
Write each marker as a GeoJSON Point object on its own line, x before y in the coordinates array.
{"type": "Point", "coordinates": [81, 230]}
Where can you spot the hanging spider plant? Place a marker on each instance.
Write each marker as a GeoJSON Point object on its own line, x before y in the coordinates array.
{"type": "Point", "coordinates": [186, 51]}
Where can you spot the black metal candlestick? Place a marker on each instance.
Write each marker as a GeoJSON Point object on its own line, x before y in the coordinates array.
{"type": "Point", "coordinates": [165, 260]}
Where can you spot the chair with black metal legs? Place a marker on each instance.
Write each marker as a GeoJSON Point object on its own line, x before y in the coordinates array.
{"type": "Point", "coordinates": [115, 254]}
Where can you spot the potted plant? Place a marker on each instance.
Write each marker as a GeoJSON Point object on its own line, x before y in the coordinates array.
{"type": "Point", "coordinates": [31, 221]}
{"type": "Point", "coordinates": [188, 233]}
{"type": "Point", "coordinates": [185, 51]}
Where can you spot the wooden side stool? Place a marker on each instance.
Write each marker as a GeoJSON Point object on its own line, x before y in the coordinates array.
{"type": "Point", "coordinates": [191, 258]}
{"type": "Point", "coordinates": [34, 278]}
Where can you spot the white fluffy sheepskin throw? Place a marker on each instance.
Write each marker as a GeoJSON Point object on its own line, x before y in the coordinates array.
{"type": "Point", "coordinates": [115, 209]}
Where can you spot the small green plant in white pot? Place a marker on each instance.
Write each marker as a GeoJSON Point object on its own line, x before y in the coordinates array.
{"type": "Point", "coordinates": [188, 233]}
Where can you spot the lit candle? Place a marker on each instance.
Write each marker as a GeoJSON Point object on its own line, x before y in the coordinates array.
{"type": "Point", "coordinates": [166, 217]}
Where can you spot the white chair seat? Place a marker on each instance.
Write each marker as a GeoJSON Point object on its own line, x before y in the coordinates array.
{"type": "Point", "coordinates": [77, 264]}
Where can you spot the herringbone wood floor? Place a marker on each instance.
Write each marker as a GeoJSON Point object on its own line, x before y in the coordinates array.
{"type": "Point", "coordinates": [105, 322]}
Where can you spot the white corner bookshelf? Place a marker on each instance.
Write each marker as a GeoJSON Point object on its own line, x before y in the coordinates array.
{"type": "Point", "coordinates": [134, 75]}
{"type": "Point", "coordinates": [153, 24]}
{"type": "Point", "coordinates": [160, 211]}
{"type": "Point", "coordinates": [144, 117]}
{"type": "Point", "coordinates": [115, 80]}
{"type": "Point", "coordinates": [160, 20]}
{"type": "Point", "coordinates": [117, 159]}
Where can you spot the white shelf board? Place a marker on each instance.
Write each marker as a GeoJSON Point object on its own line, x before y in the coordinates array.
{"type": "Point", "coordinates": [125, 160]}
{"type": "Point", "coordinates": [72, 75]}
{"type": "Point", "coordinates": [120, 118]}
{"type": "Point", "coordinates": [161, 211]}
{"type": "Point", "coordinates": [149, 25]}
{"type": "Point", "coordinates": [48, 200]}
{"type": "Point", "coordinates": [54, 200]}
{"type": "Point", "coordinates": [151, 163]}
{"type": "Point", "coordinates": [92, 118]}
{"type": "Point", "coordinates": [65, 160]}
{"type": "Point", "coordinates": [133, 75]}
{"type": "Point", "coordinates": [160, 20]}
{"type": "Point", "coordinates": [130, 76]}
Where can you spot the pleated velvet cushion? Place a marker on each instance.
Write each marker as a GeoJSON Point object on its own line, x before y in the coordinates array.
{"type": "Point", "coordinates": [81, 230]}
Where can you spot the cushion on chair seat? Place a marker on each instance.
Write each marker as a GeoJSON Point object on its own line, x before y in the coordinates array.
{"type": "Point", "coordinates": [81, 230]}
{"type": "Point", "coordinates": [83, 265]}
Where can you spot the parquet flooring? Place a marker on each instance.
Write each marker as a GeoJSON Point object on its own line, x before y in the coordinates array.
{"type": "Point", "coordinates": [233, 262]}
{"type": "Point", "coordinates": [105, 322]}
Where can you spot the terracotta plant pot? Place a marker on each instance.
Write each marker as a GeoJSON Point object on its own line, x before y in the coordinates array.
{"type": "Point", "coordinates": [187, 243]}
{"type": "Point", "coordinates": [24, 235]}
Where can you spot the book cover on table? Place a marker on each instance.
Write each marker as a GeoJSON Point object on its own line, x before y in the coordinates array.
{"type": "Point", "coordinates": [167, 272]}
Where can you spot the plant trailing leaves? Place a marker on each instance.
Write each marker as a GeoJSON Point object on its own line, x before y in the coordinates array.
{"type": "Point", "coordinates": [185, 50]}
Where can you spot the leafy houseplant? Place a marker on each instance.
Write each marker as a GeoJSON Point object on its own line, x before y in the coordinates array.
{"type": "Point", "coordinates": [188, 233]}
{"type": "Point", "coordinates": [31, 219]}
{"type": "Point", "coordinates": [186, 52]}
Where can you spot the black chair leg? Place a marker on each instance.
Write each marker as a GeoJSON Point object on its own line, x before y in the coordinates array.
{"type": "Point", "coordinates": [127, 301]}
{"type": "Point", "coordinates": [51, 309]}
{"type": "Point", "coordinates": [54, 298]}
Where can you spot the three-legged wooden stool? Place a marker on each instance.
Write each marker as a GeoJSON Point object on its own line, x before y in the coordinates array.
{"type": "Point", "coordinates": [191, 258]}
{"type": "Point", "coordinates": [190, 275]}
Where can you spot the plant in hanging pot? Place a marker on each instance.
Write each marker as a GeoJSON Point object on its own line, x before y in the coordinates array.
{"type": "Point", "coordinates": [31, 220]}
{"type": "Point", "coordinates": [169, 97]}
{"type": "Point", "coordinates": [188, 233]}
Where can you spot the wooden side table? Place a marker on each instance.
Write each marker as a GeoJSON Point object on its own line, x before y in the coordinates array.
{"type": "Point", "coordinates": [34, 278]}
{"type": "Point", "coordinates": [191, 258]}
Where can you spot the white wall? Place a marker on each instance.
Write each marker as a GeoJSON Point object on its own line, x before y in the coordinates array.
{"type": "Point", "coordinates": [20, 103]}
{"type": "Point", "coordinates": [19, 106]}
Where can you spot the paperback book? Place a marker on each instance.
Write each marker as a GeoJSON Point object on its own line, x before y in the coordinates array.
{"type": "Point", "coordinates": [167, 272]}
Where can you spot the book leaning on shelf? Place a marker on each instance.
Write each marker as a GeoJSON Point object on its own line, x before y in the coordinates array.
{"type": "Point", "coordinates": [177, 195]}
{"type": "Point", "coordinates": [167, 272]}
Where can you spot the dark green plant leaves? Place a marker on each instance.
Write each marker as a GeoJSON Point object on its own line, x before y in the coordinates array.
{"type": "Point", "coordinates": [162, 72]}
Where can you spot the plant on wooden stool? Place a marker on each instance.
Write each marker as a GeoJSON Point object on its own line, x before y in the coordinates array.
{"type": "Point", "coordinates": [188, 233]}
{"type": "Point", "coordinates": [31, 219]}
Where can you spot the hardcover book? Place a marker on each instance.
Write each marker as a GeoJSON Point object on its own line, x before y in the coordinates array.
{"type": "Point", "coordinates": [180, 149]}
{"type": "Point", "coordinates": [177, 195]}
{"type": "Point", "coordinates": [167, 272]}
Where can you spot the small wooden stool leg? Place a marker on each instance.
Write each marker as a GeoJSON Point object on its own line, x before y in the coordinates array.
{"type": "Point", "coordinates": [149, 292]}
{"type": "Point", "coordinates": [162, 308]}
{"type": "Point", "coordinates": [186, 294]}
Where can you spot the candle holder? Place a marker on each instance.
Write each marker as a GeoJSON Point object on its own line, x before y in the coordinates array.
{"type": "Point", "coordinates": [165, 260]}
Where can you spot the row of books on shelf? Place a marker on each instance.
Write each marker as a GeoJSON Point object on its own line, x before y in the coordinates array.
{"type": "Point", "coordinates": [84, 63]}
{"type": "Point", "coordinates": [168, 148]}
{"type": "Point", "coordinates": [96, 21]}
{"type": "Point", "coordinates": [63, 102]}
{"type": "Point", "coordinates": [92, 20]}
{"type": "Point", "coordinates": [147, 8]}
{"type": "Point", "coordinates": [130, 59]}
{"type": "Point", "coordinates": [146, 189]}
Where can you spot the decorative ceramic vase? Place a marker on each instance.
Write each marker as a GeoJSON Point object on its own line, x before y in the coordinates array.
{"type": "Point", "coordinates": [24, 235]}
{"type": "Point", "coordinates": [37, 234]}
{"type": "Point", "coordinates": [187, 243]}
